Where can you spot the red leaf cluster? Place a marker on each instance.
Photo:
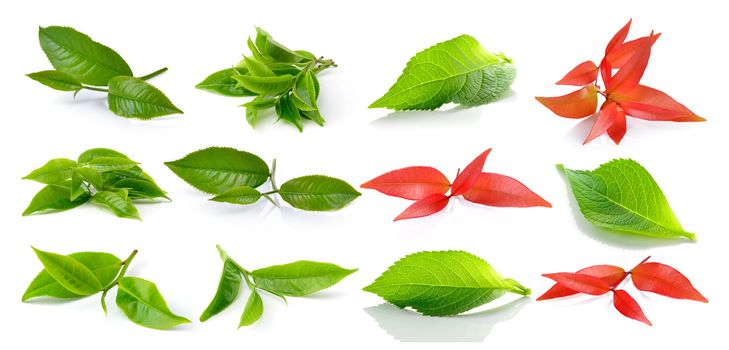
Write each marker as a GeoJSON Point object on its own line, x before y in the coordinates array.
{"type": "Point", "coordinates": [428, 187]}
{"type": "Point", "coordinates": [646, 276]}
{"type": "Point", "coordinates": [624, 96]}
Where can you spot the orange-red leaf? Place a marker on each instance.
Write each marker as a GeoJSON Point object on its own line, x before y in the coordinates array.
{"type": "Point", "coordinates": [627, 306]}
{"type": "Point", "coordinates": [410, 183]}
{"type": "Point", "coordinates": [632, 71]}
{"type": "Point", "coordinates": [424, 207]}
{"type": "Point", "coordinates": [578, 104]}
{"type": "Point", "coordinates": [606, 71]}
{"type": "Point", "coordinates": [617, 129]}
{"type": "Point", "coordinates": [610, 114]}
{"type": "Point", "coordinates": [579, 282]}
{"type": "Point", "coordinates": [585, 73]}
{"type": "Point", "coordinates": [621, 54]}
{"type": "Point", "coordinates": [609, 274]}
{"type": "Point", "coordinates": [664, 280]}
{"type": "Point", "coordinates": [618, 38]}
{"type": "Point", "coordinates": [468, 177]}
{"type": "Point", "coordinates": [498, 190]}
{"type": "Point", "coordinates": [648, 103]}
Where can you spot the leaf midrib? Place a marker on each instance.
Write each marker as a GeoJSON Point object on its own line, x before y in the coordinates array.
{"type": "Point", "coordinates": [218, 169]}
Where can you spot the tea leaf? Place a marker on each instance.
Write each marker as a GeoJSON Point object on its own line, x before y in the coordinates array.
{"type": "Point", "coordinates": [240, 195]}
{"type": "Point", "coordinates": [265, 85]}
{"type": "Point", "coordinates": [134, 98]}
{"type": "Point", "coordinates": [104, 164]}
{"type": "Point", "coordinates": [103, 265]}
{"type": "Point", "coordinates": [118, 202]}
{"type": "Point", "coordinates": [317, 193]}
{"type": "Point", "coordinates": [299, 278]}
{"type": "Point", "coordinates": [69, 273]}
{"type": "Point", "coordinates": [228, 289]}
{"type": "Point", "coordinates": [56, 80]}
{"type": "Point", "coordinates": [140, 189]}
{"type": "Point", "coordinates": [55, 171]}
{"type": "Point", "coordinates": [91, 154]}
{"type": "Point", "coordinates": [55, 197]}
{"type": "Point", "coordinates": [143, 304]}
{"type": "Point", "coordinates": [221, 82]}
{"type": "Point", "coordinates": [252, 311]}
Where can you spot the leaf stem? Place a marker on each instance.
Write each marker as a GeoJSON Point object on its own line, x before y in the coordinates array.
{"type": "Point", "coordinates": [273, 176]}
{"type": "Point", "coordinates": [153, 74]}
{"type": "Point", "coordinates": [95, 88]}
{"type": "Point", "coordinates": [125, 266]}
{"type": "Point", "coordinates": [628, 273]}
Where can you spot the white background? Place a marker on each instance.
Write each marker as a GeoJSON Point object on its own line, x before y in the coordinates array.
{"type": "Point", "coordinates": [371, 41]}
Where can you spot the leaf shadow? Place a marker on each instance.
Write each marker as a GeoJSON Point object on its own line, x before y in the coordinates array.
{"type": "Point", "coordinates": [457, 114]}
{"type": "Point", "coordinates": [580, 131]}
{"type": "Point", "coordinates": [409, 326]}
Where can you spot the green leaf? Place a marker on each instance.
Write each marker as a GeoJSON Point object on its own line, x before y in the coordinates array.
{"type": "Point", "coordinates": [94, 153]}
{"type": "Point", "coordinates": [55, 197]}
{"type": "Point", "coordinates": [55, 171]}
{"type": "Point", "coordinates": [56, 80]}
{"type": "Point", "coordinates": [305, 91]}
{"type": "Point", "coordinates": [458, 71]}
{"type": "Point", "coordinates": [252, 116]}
{"type": "Point", "coordinates": [253, 310]}
{"type": "Point", "coordinates": [77, 187]}
{"type": "Point", "coordinates": [103, 265]}
{"type": "Point", "coordinates": [228, 289]}
{"type": "Point", "coordinates": [240, 195]}
{"type": "Point", "coordinates": [260, 103]}
{"type": "Point", "coordinates": [317, 193]}
{"type": "Point", "coordinates": [140, 189]}
{"type": "Point", "coordinates": [215, 170]}
{"type": "Point", "coordinates": [134, 98]}
{"type": "Point", "coordinates": [286, 111]}
{"type": "Point", "coordinates": [299, 278]}
{"type": "Point", "coordinates": [622, 196]}
{"type": "Point", "coordinates": [118, 202]}
{"type": "Point", "coordinates": [442, 283]}
{"type": "Point", "coordinates": [69, 273]}
{"type": "Point", "coordinates": [221, 82]}
{"type": "Point", "coordinates": [273, 50]}
{"type": "Point", "coordinates": [104, 164]}
{"type": "Point", "coordinates": [91, 176]}
{"type": "Point", "coordinates": [265, 85]}
{"type": "Point", "coordinates": [256, 68]}
{"type": "Point", "coordinates": [143, 304]}
{"type": "Point", "coordinates": [75, 54]}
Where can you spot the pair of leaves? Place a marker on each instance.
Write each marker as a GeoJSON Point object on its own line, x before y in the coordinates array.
{"type": "Point", "coordinates": [624, 95]}
{"type": "Point", "coordinates": [428, 187]}
{"type": "Point", "coordinates": [600, 279]}
{"type": "Point", "coordinates": [443, 283]}
{"type": "Point", "coordinates": [278, 78]}
{"type": "Point", "coordinates": [458, 71]}
{"type": "Point", "coordinates": [296, 279]}
{"type": "Point", "coordinates": [100, 175]}
{"type": "Point", "coordinates": [79, 275]}
{"type": "Point", "coordinates": [233, 176]}
{"type": "Point", "coordinates": [82, 63]}
{"type": "Point", "coordinates": [621, 195]}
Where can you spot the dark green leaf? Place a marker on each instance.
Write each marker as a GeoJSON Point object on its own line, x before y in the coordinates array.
{"type": "Point", "coordinates": [134, 98]}
{"type": "Point", "coordinates": [265, 85]}
{"type": "Point", "coordinates": [103, 265]}
{"type": "Point", "coordinates": [221, 82]}
{"type": "Point", "coordinates": [286, 111]}
{"type": "Point", "coordinates": [56, 80]}
{"type": "Point", "coordinates": [228, 289]}
{"type": "Point", "coordinates": [55, 171]}
{"type": "Point", "coordinates": [299, 278]}
{"type": "Point", "coordinates": [317, 193]}
{"type": "Point", "coordinates": [240, 195]}
{"type": "Point", "coordinates": [69, 273]}
{"type": "Point", "coordinates": [252, 311]}
{"type": "Point", "coordinates": [118, 202]}
{"type": "Point", "coordinates": [143, 304]}
{"type": "Point", "coordinates": [55, 197]}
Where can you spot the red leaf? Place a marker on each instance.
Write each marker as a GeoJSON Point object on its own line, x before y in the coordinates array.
{"type": "Point", "coordinates": [581, 283]}
{"type": "Point", "coordinates": [468, 177]}
{"type": "Point", "coordinates": [424, 207]}
{"type": "Point", "coordinates": [629, 75]}
{"type": "Point", "coordinates": [648, 103]}
{"type": "Point", "coordinates": [609, 274]}
{"type": "Point", "coordinates": [410, 183]}
{"type": "Point", "coordinates": [627, 306]}
{"type": "Point", "coordinates": [664, 280]}
{"type": "Point", "coordinates": [610, 114]}
{"type": "Point", "coordinates": [606, 71]}
{"type": "Point", "coordinates": [578, 104]}
{"type": "Point", "coordinates": [621, 54]}
{"type": "Point", "coordinates": [618, 38]}
{"type": "Point", "coordinates": [498, 190]}
{"type": "Point", "coordinates": [585, 73]}
{"type": "Point", "coordinates": [617, 129]}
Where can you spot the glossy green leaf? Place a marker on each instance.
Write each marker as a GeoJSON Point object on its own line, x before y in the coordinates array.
{"type": "Point", "coordinates": [103, 265]}
{"type": "Point", "coordinates": [442, 283]}
{"type": "Point", "coordinates": [69, 273]}
{"type": "Point", "coordinates": [240, 195]}
{"type": "Point", "coordinates": [78, 188]}
{"type": "Point", "coordinates": [299, 278]}
{"type": "Point", "coordinates": [265, 85]}
{"type": "Point", "coordinates": [75, 54]}
{"type": "Point", "coordinates": [92, 176]}
{"type": "Point", "coordinates": [118, 202]}
{"type": "Point", "coordinates": [94, 153]}
{"type": "Point", "coordinates": [228, 288]}
{"type": "Point", "coordinates": [622, 196]}
{"type": "Point", "coordinates": [215, 170]}
{"type": "Point", "coordinates": [256, 68]}
{"type": "Point", "coordinates": [56, 198]}
{"type": "Point", "coordinates": [55, 171]}
{"type": "Point", "coordinates": [143, 304]}
{"type": "Point", "coordinates": [287, 111]}
{"type": "Point", "coordinates": [103, 164]}
{"type": "Point", "coordinates": [56, 80]}
{"type": "Point", "coordinates": [458, 71]}
{"type": "Point", "coordinates": [260, 103]}
{"type": "Point", "coordinates": [221, 82]}
{"type": "Point", "coordinates": [273, 50]}
{"type": "Point", "coordinates": [317, 193]}
{"type": "Point", "coordinates": [252, 115]}
{"type": "Point", "coordinates": [140, 189]}
{"type": "Point", "coordinates": [253, 310]}
{"type": "Point", "coordinates": [305, 91]}
{"type": "Point", "coordinates": [134, 98]}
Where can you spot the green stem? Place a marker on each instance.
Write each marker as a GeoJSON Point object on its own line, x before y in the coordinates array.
{"type": "Point", "coordinates": [153, 74]}
{"type": "Point", "coordinates": [273, 177]}
{"type": "Point", "coordinates": [125, 266]}
{"type": "Point", "coordinates": [95, 88]}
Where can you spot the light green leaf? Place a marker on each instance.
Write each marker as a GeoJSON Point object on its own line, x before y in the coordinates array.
{"type": "Point", "coordinates": [104, 164]}
{"type": "Point", "coordinates": [91, 176]}
{"type": "Point", "coordinates": [458, 70]}
{"type": "Point", "coordinates": [77, 186]}
{"type": "Point", "coordinates": [260, 103]}
{"type": "Point", "coordinates": [118, 202]}
{"type": "Point", "coordinates": [69, 273]}
{"type": "Point", "coordinates": [55, 171]}
{"type": "Point", "coordinates": [305, 91]}
{"type": "Point", "coordinates": [228, 288]}
{"type": "Point", "coordinates": [215, 170]}
{"type": "Point", "coordinates": [134, 98]}
{"type": "Point", "coordinates": [55, 197]}
{"type": "Point", "coordinates": [240, 195]}
{"type": "Point", "coordinates": [299, 278]}
{"type": "Point", "coordinates": [275, 51]}
{"type": "Point", "coordinates": [286, 111]}
{"type": "Point", "coordinates": [253, 310]}
{"type": "Point", "coordinates": [256, 68]}
{"type": "Point", "coordinates": [143, 304]}
{"type": "Point", "coordinates": [140, 189]}
{"type": "Point", "coordinates": [265, 85]}
{"type": "Point", "coordinates": [94, 153]}
{"type": "Point", "coordinates": [252, 116]}
{"type": "Point", "coordinates": [442, 283]}
{"type": "Point", "coordinates": [317, 193]}
{"type": "Point", "coordinates": [103, 265]}
{"type": "Point", "coordinates": [56, 80]}
{"type": "Point", "coordinates": [221, 82]}
{"type": "Point", "coordinates": [75, 54]}
{"type": "Point", "coordinates": [621, 195]}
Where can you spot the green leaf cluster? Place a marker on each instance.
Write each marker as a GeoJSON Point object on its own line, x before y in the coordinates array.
{"type": "Point", "coordinates": [622, 196]}
{"type": "Point", "coordinates": [83, 274]}
{"type": "Point", "coordinates": [83, 64]}
{"type": "Point", "coordinates": [277, 77]}
{"type": "Point", "coordinates": [100, 175]}
{"type": "Point", "coordinates": [443, 283]}
{"type": "Point", "coordinates": [296, 279]}
{"type": "Point", "coordinates": [233, 177]}
{"type": "Point", "coordinates": [458, 71]}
